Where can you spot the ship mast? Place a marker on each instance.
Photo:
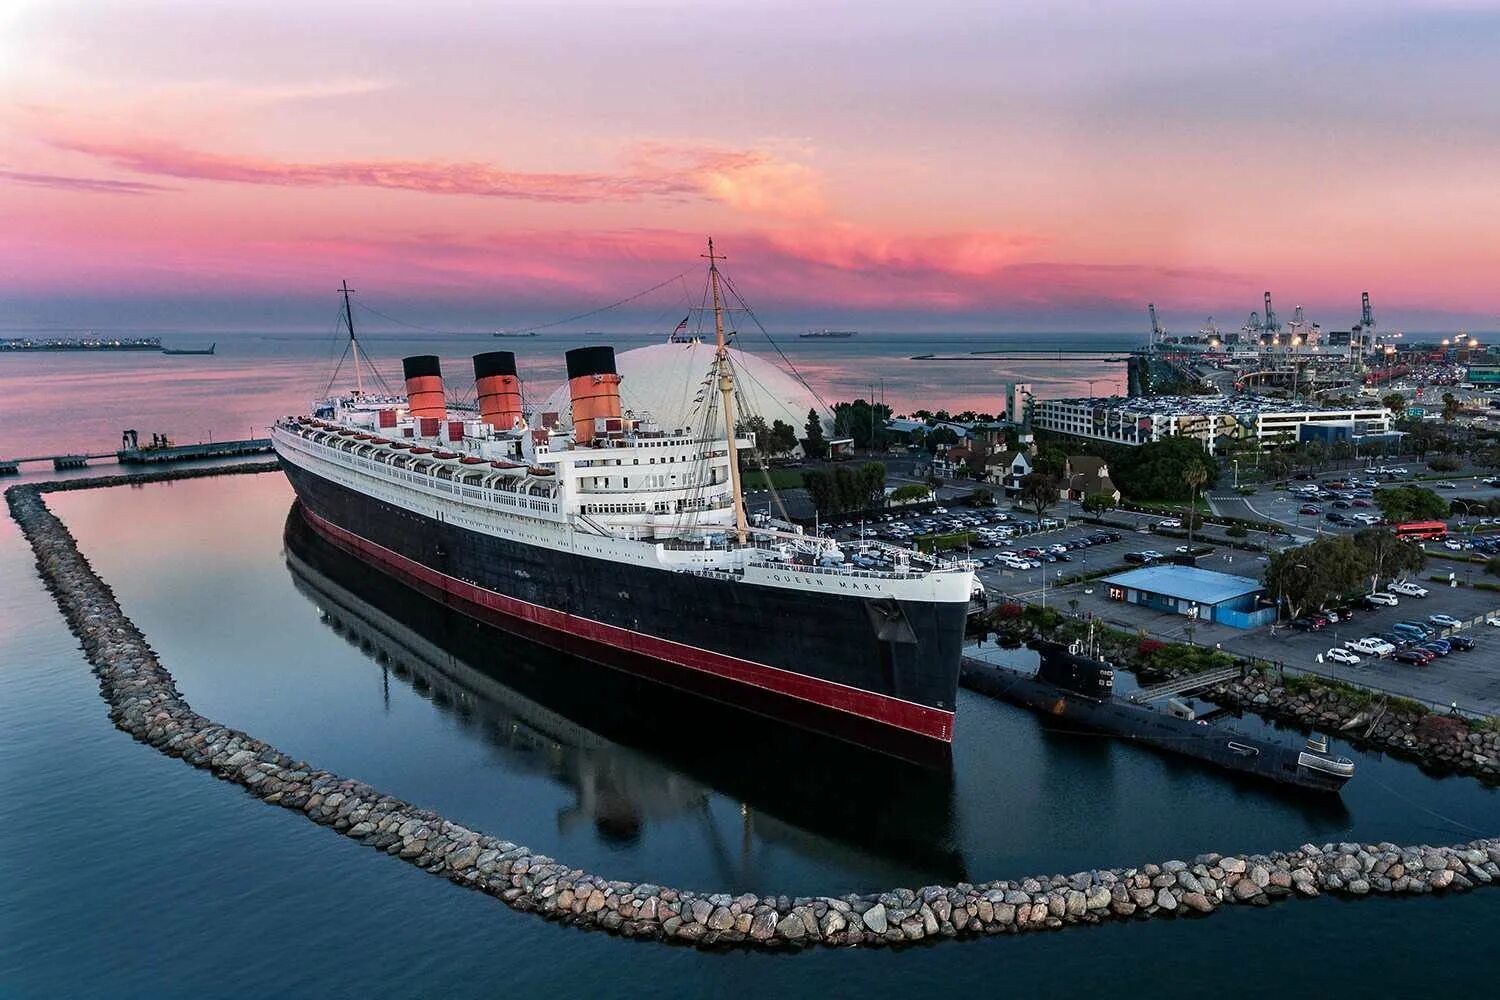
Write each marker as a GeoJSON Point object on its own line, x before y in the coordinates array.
{"type": "Point", "coordinates": [726, 389]}
{"type": "Point", "coordinates": [359, 381]}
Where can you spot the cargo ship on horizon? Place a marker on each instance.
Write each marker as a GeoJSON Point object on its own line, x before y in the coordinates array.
{"type": "Point", "coordinates": [828, 334]}
{"type": "Point", "coordinates": [628, 544]}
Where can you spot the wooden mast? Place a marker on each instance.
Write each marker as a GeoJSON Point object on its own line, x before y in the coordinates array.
{"type": "Point", "coordinates": [359, 380]}
{"type": "Point", "coordinates": [726, 389]}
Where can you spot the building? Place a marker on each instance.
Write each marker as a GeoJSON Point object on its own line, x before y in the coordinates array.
{"type": "Point", "coordinates": [1017, 403]}
{"type": "Point", "coordinates": [1007, 468]}
{"type": "Point", "coordinates": [1088, 475]}
{"type": "Point", "coordinates": [1214, 420]}
{"type": "Point", "coordinates": [1198, 593]}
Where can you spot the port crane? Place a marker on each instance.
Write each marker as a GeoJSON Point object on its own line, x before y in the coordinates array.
{"type": "Point", "coordinates": [1158, 332]}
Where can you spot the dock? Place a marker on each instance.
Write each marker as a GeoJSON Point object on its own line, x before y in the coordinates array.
{"type": "Point", "coordinates": [143, 456]}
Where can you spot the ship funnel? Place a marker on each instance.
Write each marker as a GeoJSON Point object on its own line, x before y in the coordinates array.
{"type": "Point", "coordinates": [424, 386]}
{"type": "Point", "coordinates": [499, 389]}
{"type": "Point", "coordinates": [594, 387]}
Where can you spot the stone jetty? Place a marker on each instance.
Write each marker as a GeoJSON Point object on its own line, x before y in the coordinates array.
{"type": "Point", "coordinates": [143, 700]}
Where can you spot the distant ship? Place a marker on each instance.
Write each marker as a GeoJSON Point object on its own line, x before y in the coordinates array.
{"type": "Point", "coordinates": [532, 333]}
{"type": "Point", "coordinates": [89, 343]}
{"type": "Point", "coordinates": [828, 334]}
{"type": "Point", "coordinates": [190, 350]}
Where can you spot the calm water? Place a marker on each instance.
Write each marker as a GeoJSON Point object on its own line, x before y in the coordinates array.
{"type": "Point", "coordinates": [127, 873]}
{"type": "Point", "coordinates": [67, 401]}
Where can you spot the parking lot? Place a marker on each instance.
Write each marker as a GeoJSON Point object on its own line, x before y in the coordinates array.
{"type": "Point", "coordinates": [1471, 678]}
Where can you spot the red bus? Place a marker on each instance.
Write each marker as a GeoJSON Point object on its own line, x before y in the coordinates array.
{"type": "Point", "coordinates": [1421, 529]}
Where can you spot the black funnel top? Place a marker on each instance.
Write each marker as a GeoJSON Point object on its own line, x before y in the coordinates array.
{"type": "Point", "coordinates": [494, 363]}
{"type": "Point", "coordinates": [421, 364]}
{"type": "Point", "coordinates": [591, 361]}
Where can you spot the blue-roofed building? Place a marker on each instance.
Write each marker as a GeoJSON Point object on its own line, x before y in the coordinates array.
{"type": "Point", "coordinates": [1199, 593]}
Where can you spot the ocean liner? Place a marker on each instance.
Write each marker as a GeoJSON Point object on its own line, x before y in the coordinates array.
{"type": "Point", "coordinates": [628, 544]}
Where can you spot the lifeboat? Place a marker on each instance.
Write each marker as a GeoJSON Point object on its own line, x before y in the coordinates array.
{"type": "Point", "coordinates": [380, 440]}
{"type": "Point", "coordinates": [445, 455]}
{"type": "Point", "coordinates": [399, 446]}
{"type": "Point", "coordinates": [419, 450]}
{"type": "Point", "coordinates": [504, 465]}
{"type": "Point", "coordinates": [537, 470]}
{"type": "Point", "coordinates": [364, 437]}
{"type": "Point", "coordinates": [471, 460]}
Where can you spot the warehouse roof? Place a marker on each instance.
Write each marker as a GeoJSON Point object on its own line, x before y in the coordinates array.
{"type": "Point", "coordinates": [1187, 583]}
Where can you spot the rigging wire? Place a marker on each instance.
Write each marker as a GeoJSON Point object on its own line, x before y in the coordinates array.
{"type": "Point", "coordinates": [594, 312]}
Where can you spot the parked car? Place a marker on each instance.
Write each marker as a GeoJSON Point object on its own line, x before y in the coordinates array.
{"type": "Point", "coordinates": [1445, 621]}
{"type": "Point", "coordinates": [1308, 508]}
{"type": "Point", "coordinates": [1380, 597]}
{"type": "Point", "coordinates": [1438, 646]}
{"type": "Point", "coordinates": [1416, 657]}
{"type": "Point", "coordinates": [1461, 643]}
{"type": "Point", "coordinates": [1407, 588]}
{"type": "Point", "coordinates": [1170, 522]}
{"type": "Point", "coordinates": [1306, 624]}
{"type": "Point", "coordinates": [1334, 517]}
{"type": "Point", "coordinates": [1338, 655]}
{"type": "Point", "coordinates": [1369, 647]}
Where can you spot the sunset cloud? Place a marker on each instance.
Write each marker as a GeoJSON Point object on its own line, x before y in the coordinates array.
{"type": "Point", "coordinates": [753, 181]}
{"type": "Point", "coordinates": [95, 185]}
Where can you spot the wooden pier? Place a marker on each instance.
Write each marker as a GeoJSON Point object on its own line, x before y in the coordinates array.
{"type": "Point", "coordinates": [143, 456]}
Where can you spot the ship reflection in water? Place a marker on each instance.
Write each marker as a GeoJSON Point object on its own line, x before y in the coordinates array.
{"type": "Point", "coordinates": [632, 751]}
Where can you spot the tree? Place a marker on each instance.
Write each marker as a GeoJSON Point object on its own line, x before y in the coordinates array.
{"type": "Point", "coordinates": [1395, 402]}
{"type": "Point", "coordinates": [1445, 463]}
{"type": "Point", "coordinates": [1309, 577]}
{"type": "Point", "coordinates": [1038, 491]}
{"type": "Point", "coordinates": [820, 490]}
{"type": "Point", "coordinates": [1390, 557]}
{"type": "Point", "coordinates": [910, 493]}
{"type": "Point", "coordinates": [1098, 503]}
{"type": "Point", "coordinates": [1451, 406]}
{"type": "Point", "coordinates": [1194, 476]}
{"type": "Point", "coordinates": [1155, 470]}
{"type": "Point", "coordinates": [815, 445]}
{"type": "Point", "coordinates": [757, 426]}
{"type": "Point", "coordinates": [940, 436]}
{"type": "Point", "coordinates": [1278, 465]}
{"type": "Point", "coordinates": [864, 422]}
{"type": "Point", "coordinates": [1050, 459]}
{"type": "Point", "coordinates": [1410, 503]}
{"type": "Point", "coordinates": [783, 437]}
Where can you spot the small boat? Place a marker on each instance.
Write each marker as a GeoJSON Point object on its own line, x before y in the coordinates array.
{"type": "Point", "coordinates": [190, 350]}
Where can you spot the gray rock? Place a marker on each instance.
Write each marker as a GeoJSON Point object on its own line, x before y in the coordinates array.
{"type": "Point", "coordinates": [1165, 899]}
{"type": "Point", "coordinates": [875, 918]}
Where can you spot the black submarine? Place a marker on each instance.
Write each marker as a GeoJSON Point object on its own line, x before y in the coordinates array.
{"type": "Point", "coordinates": [1079, 689]}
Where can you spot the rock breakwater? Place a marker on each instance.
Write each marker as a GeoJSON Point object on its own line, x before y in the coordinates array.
{"type": "Point", "coordinates": [1443, 742]}
{"type": "Point", "coordinates": [143, 700]}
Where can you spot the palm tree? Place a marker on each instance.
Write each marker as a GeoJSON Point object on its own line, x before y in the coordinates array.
{"type": "Point", "coordinates": [1194, 475]}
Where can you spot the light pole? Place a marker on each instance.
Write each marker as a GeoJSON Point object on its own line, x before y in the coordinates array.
{"type": "Point", "coordinates": [1236, 463]}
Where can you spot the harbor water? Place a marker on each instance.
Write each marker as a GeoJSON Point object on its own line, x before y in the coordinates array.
{"type": "Point", "coordinates": [128, 873]}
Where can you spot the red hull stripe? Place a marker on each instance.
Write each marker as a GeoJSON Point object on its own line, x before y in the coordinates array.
{"type": "Point", "coordinates": [922, 720]}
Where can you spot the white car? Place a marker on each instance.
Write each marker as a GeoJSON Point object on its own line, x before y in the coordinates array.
{"type": "Point", "coordinates": [1370, 646]}
{"type": "Point", "coordinates": [1492, 621]}
{"type": "Point", "coordinates": [1445, 621]}
{"type": "Point", "coordinates": [1364, 518]}
{"type": "Point", "coordinates": [1408, 588]}
{"type": "Point", "coordinates": [1338, 655]}
{"type": "Point", "coordinates": [1453, 545]}
{"type": "Point", "coordinates": [1183, 549]}
{"type": "Point", "coordinates": [1389, 600]}
{"type": "Point", "coordinates": [1170, 522]}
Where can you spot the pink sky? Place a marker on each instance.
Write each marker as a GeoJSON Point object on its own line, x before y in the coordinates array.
{"type": "Point", "coordinates": [973, 165]}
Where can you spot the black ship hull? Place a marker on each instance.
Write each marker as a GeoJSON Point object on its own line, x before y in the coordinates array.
{"type": "Point", "coordinates": [829, 663]}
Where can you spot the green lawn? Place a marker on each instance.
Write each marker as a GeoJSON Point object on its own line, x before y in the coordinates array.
{"type": "Point", "coordinates": [782, 479]}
